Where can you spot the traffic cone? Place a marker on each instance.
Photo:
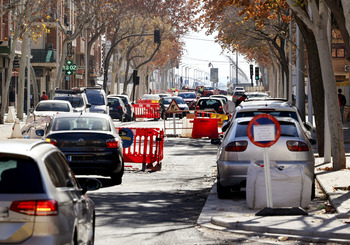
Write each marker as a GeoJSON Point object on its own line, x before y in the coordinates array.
{"type": "Point", "coordinates": [11, 115]}
{"type": "Point", "coordinates": [16, 130]}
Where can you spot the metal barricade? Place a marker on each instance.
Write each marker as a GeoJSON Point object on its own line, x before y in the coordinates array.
{"type": "Point", "coordinates": [147, 110]}
{"type": "Point", "coordinates": [143, 145]}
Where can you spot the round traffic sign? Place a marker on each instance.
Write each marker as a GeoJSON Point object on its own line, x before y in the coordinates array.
{"type": "Point", "coordinates": [264, 130]}
{"type": "Point", "coordinates": [127, 137]}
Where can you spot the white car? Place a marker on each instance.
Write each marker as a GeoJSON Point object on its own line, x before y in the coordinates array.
{"type": "Point", "coordinates": [276, 108]}
{"type": "Point", "coordinates": [52, 107]}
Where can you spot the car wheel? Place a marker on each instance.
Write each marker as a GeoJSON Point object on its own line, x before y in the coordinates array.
{"type": "Point", "coordinates": [117, 177]}
{"type": "Point", "coordinates": [223, 192]}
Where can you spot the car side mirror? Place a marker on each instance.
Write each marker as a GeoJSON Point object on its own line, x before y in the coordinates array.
{"type": "Point", "coordinates": [308, 126]}
{"type": "Point", "coordinates": [88, 105]}
{"type": "Point", "coordinates": [225, 125]}
{"type": "Point", "coordinates": [89, 184]}
{"type": "Point", "coordinates": [40, 132]}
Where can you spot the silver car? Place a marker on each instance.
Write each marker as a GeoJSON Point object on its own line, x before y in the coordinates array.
{"type": "Point", "coordinates": [41, 202]}
{"type": "Point", "coordinates": [276, 108]}
{"type": "Point", "coordinates": [237, 151]}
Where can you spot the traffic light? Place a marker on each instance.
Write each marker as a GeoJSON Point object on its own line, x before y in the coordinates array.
{"type": "Point", "coordinates": [256, 73]}
{"type": "Point", "coordinates": [134, 76]}
{"type": "Point", "coordinates": [251, 71]}
{"type": "Point", "coordinates": [157, 36]}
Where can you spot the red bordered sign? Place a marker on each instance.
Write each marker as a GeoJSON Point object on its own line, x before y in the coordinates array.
{"type": "Point", "coordinates": [264, 130]}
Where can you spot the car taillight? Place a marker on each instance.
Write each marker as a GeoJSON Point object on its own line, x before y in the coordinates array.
{"type": "Point", "coordinates": [236, 146]}
{"type": "Point", "coordinates": [112, 143]}
{"type": "Point", "coordinates": [197, 107]}
{"type": "Point", "coordinates": [35, 207]}
{"type": "Point", "coordinates": [297, 146]}
{"type": "Point", "coordinates": [220, 109]}
{"type": "Point", "coordinates": [119, 107]}
{"type": "Point", "coordinates": [51, 141]}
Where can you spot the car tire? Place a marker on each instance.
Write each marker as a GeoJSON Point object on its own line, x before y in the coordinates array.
{"type": "Point", "coordinates": [223, 192]}
{"type": "Point", "coordinates": [313, 189]}
{"type": "Point", "coordinates": [117, 177]}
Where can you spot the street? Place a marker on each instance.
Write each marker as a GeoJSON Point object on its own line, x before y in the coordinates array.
{"type": "Point", "coordinates": [163, 207]}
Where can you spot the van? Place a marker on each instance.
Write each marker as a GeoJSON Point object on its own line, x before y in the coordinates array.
{"type": "Point", "coordinates": [98, 99]}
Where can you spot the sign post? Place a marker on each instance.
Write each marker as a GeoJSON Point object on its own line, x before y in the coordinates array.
{"type": "Point", "coordinates": [264, 130]}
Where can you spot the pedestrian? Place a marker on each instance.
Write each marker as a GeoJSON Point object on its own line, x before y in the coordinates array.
{"type": "Point", "coordinates": [342, 103]}
{"type": "Point", "coordinates": [44, 96]}
{"type": "Point", "coordinates": [12, 97]}
{"type": "Point", "coordinates": [240, 99]}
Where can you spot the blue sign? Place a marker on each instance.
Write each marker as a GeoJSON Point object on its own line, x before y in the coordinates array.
{"type": "Point", "coordinates": [127, 137]}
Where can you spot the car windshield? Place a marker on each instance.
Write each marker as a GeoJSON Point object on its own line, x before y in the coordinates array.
{"type": "Point", "coordinates": [274, 113]}
{"type": "Point", "coordinates": [76, 101]}
{"type": "Point", "coordinates": [187, 95]}
{"type": "Point", "coordinates": [177, 100]}
{"type": "Point", "coordinates": [95, 99]}
{"type": "Point", "coordinates": [288, 129]}
{"type": "Point", "coordinates": [19, 175]}
{"type": "Point", "coordinates": [80, 123]}
{"type": "Point", "coordinates": [52, 107]}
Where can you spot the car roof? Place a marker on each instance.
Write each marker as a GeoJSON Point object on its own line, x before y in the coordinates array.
{"type": "Point", "coordinates": [84, 114]}
{"type": "Point", "coordinates": [24, 146]}
{"type": "Point", "coordinates": [54, 101]}
{"type": "Point", "coordinates": [258, 104]}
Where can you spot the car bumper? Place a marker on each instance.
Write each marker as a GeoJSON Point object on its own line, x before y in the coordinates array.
{"type": "Point", "coordinates": [94, 163]}
{"type": "Point", "coordinates": [234, 173]}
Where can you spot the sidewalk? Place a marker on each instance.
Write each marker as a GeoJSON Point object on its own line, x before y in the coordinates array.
{"type": "Point", "coordinates": [318, 226]}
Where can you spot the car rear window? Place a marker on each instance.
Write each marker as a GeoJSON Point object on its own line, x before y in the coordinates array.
{"type": "Point", "coordinates": [291, 114]}
{"type": "Point", "coordinates": [81, 123]}
{"type": "Point", "coordinates": [188, 95]}
{"type": "Point", "coordinates": [52, 107]}
{"type": "Point", "coordinates": [114, 102]}
{"type": "Point", "coordinates": [76, 101]}
{"type": "Point", "coordinates": [95, 99]}
{"type": "Point", "coordinates": [239, 93]}
{"type": "Point", "coordinates": [19, 175]}
{"type": "Point", "coordinates": [209, 104]}
{"type": "Point", "coordinates": [288, 129]}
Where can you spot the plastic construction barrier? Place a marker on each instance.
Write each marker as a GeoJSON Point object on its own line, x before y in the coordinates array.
{"type": "Point", "coordinates": [147, 110]}
{"type": "Point", "coordinates": [222, 117]}
{"type": "Point", "coordinates": [143, 145]}
{"type": "Point", "coordinates": [205, 127]}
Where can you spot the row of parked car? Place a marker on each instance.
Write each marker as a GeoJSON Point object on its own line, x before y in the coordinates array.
{"type": "Point", "coordinates": [42, 200]}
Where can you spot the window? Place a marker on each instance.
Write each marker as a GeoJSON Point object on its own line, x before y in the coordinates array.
{"type": "Point", "coordinates": [59, 172]}
{"type": "Point", "coordinates": [19, 174]}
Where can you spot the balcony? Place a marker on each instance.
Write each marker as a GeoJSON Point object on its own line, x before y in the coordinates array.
{"type": "Point", "coordinates": [43, 56]}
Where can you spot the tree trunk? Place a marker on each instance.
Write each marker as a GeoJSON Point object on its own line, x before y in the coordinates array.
{"type": "Point", "coordinates": [316, 83]}
{"type": "Point", "coordinates": [329, 83]}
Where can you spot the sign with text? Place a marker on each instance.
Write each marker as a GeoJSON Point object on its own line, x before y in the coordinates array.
{"type": "Point", "coordinates": [264, 130]}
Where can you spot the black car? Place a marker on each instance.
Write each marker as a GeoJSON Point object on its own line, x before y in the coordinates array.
{"type": "Point", "coordinates": [129, 108]}
{"type": "Point", "coordinates": [117, 109]}
{"type": "Point", "coordinates": [90, 143]}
